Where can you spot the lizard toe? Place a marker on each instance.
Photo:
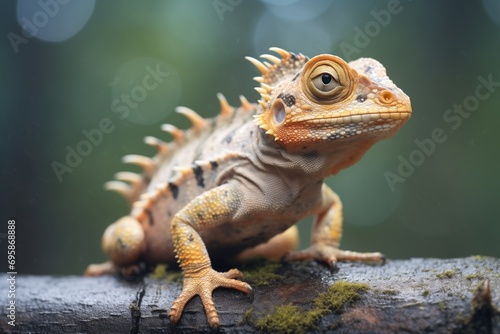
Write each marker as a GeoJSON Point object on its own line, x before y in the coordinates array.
{"type": "Point", "coordinates": [344, 255]}
{"type": "Point", "coordinates": [203, 285]}
{"type": "Point", "coordinates": [233, 273]}
{"type": "Point", "coordinates": [331, 255]}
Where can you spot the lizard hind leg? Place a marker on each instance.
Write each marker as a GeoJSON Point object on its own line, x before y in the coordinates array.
{"type": "Point", "coordinates": [123, 241]}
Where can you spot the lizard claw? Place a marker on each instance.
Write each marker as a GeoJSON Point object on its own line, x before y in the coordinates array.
{"type": "Point", "coordinates": [202, 284]}
{"type": "Point", "coordinates": [332, 263]}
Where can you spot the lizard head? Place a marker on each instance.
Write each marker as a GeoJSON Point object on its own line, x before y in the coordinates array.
{"type": "Point", "coordinates": [312, 104]}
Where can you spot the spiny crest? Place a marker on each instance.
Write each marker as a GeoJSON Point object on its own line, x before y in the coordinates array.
{"type": "Point", "coordinates": [225, 107]}
{"type": "Point", "coordinates": [273, 73]}
{"type": "Point", "coordinates": [131, 185]}
{"type": "Point", "coordinates": [278, 69]}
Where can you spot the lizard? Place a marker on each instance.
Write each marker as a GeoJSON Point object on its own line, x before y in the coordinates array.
{"type": "Point", "coordinates": [232, 187]}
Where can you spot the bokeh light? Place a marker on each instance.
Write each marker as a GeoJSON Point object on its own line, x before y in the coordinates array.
{"type": "Point", "coordinates": [492, 7]}
{"type": "Point", "coordinates": [54, 20]}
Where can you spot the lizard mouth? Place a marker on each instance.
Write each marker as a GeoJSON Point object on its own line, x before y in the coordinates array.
{"type": "Point", "coordinates": [361, 119]}
{"type": "Point", "coordinates": [347, 126]}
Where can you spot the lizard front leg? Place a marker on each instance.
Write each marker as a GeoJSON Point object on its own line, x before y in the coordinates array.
{"type": "Point", "coordinates": [211, 208]}
{"type": "Point", "coordinates": [326, 235]}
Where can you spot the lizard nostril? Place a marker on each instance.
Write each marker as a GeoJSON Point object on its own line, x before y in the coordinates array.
{"type": "Point", "coordinates": [386, 97]}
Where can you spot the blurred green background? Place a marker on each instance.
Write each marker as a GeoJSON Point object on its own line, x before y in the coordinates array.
{"type": "Point", "coordinates": [68, 71]}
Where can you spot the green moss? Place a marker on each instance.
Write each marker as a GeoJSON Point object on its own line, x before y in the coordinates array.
{"type": "Point", "coordinates": [425, 293]}
{"type": "Point", "coordinates": [247, 317]}
{"type": "Point", "coordinates": [474, 276]}
{"type": "Point", "coordinates": [461, 318]}
{"type": "Point", "coordinates": [338, 294]}
{"type": "Point", "coordinates": [287, 319]}
{"type": "Point", "coordinates": [446, 274]}
{"type": "Point", "coordinates": [388, 292]}
{"type": "Point", "coordinates": [421, 285]}
{"type": "Point", "coordinates": [442, 306]}
{"type": "Point", "coordinates": [290, 319]}
{"type": "Point", "coordinates": [161, 272]}
{"type": "Point", "coordinates": [262, 272]}
{"type": "Point", "coordinates": [174, 276]}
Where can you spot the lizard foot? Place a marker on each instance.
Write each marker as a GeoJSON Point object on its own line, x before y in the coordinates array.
{"type": "Point", "coordinates": [332, 255]}
{"type": "Point", "coordinates": [100, 269]}
{"type": "Point", "coordinates": [202, 283]}
{"type": "Point", "coordinates": [107, 268]}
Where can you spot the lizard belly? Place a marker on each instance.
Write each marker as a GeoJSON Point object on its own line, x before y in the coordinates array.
{"type": "Point", "coordinates": [223, 242]}
{"type": "Point", "coordinates": [226, 241]}
{"type": "Point", "coordinates": [159, 247]}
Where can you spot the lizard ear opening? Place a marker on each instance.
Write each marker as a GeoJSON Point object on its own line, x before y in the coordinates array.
{"type": "Point", "coordinates": [271, 120]}
{"type": "Point", "coordinates": [279, 113]}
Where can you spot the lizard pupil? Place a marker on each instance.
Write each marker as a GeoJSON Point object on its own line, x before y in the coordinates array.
{"type": "Point", "coordinates": [326, 78]}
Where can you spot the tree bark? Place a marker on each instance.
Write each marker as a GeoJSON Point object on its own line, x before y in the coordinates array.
{"type": "Point", "coordinates": [410, 296]}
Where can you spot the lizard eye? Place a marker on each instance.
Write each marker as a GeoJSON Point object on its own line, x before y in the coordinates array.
{"type": "Point", "coordinates": [327, 79]}
{"type": "Point", "coordinates": [325, 82]}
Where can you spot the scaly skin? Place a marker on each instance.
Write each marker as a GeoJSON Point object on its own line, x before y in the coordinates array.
{"type": "Point", "coordinates": [235, 185]}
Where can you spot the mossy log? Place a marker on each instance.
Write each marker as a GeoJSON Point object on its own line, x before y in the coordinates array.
{"type": "Point", "coordinates": [410, 296]}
